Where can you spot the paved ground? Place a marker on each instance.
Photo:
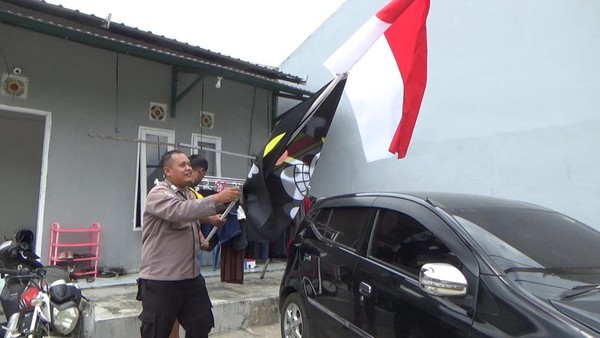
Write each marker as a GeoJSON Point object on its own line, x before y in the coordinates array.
{"type": "Point", "coordinates": [240, 310]}
{"type": "Point", "coordinates": [246, 310]}
{"type": "Point", "coordinates": [119, 301]}
{"type": "Point", "coordinates": [268, 331]}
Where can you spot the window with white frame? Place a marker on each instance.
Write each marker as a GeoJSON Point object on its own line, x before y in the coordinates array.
{"type": "Point", "coordinates": [213, 158]}
{"type": "Point", "coordinates": [158, 142]}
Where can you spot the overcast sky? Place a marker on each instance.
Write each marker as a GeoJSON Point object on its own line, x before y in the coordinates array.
{"type": "Point", "coordinates": [259, 31]}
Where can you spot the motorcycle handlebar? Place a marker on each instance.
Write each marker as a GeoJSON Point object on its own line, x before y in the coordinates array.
{"type": "Point", "coordinates": [16, 272]}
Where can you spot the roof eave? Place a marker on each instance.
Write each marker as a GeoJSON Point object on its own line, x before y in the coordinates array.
{"type": "Point", "coordinates": [155, 54]}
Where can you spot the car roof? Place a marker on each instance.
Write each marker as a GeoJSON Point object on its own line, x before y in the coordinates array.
{"type": "Point", "coordinates": [445, 200]}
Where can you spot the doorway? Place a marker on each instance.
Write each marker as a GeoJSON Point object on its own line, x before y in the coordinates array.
{"type": "Point", "coordinates": [24, 136]}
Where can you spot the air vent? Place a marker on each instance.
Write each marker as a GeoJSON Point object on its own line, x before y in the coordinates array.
{"type": "Point", "coordinates": [207, 120]}
{"type": "Point", "coordinates": [157, 112]}
{"type": "Point", "coordinates": [15, 86]}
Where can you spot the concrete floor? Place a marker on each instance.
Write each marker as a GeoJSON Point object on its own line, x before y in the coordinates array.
{"type": "Point", "coordinates": [267, 331]}
{"type": "Point", "coordinates": [247, 310]}
{"type": "Point", "coordinates": [244, 310]}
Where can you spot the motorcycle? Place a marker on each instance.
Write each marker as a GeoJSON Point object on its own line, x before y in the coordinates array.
{"type": "Point", "coordinates": [40, 301]}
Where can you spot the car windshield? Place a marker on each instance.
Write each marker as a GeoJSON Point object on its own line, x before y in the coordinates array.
{"type": "Point", "coordinates": [535, 241]}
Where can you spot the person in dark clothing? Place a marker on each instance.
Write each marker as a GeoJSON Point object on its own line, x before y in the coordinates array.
{"type": "Point", "coordinates": [199, 168]}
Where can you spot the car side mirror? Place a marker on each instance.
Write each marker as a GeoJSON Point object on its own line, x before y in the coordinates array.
{"type": "Point", "coordinates": [442, 279]}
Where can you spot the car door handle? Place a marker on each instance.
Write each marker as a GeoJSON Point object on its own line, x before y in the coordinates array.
{"type": "Point", "coordinates": [364, 289]}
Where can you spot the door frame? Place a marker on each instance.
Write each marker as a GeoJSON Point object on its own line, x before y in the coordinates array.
{"type": "Point", "coordinates": [217, 141]}
{"type": "Point", "coordinates": [141, 194]}
{"type": "Point", "coordinates": [44, 168]}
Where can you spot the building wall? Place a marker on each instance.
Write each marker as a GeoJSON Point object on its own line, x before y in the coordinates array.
{"type": "Point", "coordinates": [511, 107]}
{"type": "Point", "coordinates": [94, 91]}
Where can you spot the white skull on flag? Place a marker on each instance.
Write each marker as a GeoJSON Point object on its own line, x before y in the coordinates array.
{"type": "Point", "coordinates": [295, 179]}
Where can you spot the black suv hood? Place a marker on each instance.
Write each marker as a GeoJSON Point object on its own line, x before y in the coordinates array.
{"type": "Point", "coordinates": [585, 312]}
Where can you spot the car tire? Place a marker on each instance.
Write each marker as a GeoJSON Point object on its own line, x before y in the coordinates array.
{"type": "Point", "coordinates": [294, 320]}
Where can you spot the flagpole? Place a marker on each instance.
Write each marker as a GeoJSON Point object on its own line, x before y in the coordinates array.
{"type": "Point", "coordinates": [317, 103]}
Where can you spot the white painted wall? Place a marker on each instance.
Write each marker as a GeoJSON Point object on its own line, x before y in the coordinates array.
{"type": "Point", "coordinates": [511, 107]}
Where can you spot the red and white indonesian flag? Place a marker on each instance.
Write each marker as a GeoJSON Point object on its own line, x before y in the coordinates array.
{"type": "Point", "coordinates": [388, 58]}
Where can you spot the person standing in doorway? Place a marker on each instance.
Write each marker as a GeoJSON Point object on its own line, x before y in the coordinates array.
{"type": "Point", "coordinates": [171, 286]}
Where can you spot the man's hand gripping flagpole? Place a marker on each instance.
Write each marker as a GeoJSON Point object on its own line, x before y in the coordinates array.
{"type": "Point", "coordinates": [223, 217]}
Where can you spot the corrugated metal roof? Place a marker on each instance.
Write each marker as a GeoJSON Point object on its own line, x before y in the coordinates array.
{"type": "Point", "coordinates": [89, 29]}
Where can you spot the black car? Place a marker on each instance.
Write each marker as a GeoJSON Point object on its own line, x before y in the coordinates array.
{"type": "Point", "coordinates": [440, 265]}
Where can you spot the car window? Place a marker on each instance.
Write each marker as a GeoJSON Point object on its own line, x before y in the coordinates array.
{"type": "Point", "coordinates": [342, 225]}
{"type": "Point", "coordinates": [321, 220]}
{"type": "Point", "coordinates": [401, 241]}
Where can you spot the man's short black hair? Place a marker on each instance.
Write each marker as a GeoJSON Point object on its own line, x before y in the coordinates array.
{"type": "Point", "coordinates": [197, 161]}
{"type": "Point", "coordinates": [165, 160]}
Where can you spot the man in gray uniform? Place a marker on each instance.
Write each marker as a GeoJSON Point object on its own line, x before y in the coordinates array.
{"type": "Point", "coordinates": [171, 286]}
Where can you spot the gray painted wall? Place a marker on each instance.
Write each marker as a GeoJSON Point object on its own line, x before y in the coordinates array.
{"type": "Point", "coordinates": [93, 180]}
{"type": "Point", "coordinates": [511, 107]}
{"type": "Point", "coordinates": [21, 137]}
